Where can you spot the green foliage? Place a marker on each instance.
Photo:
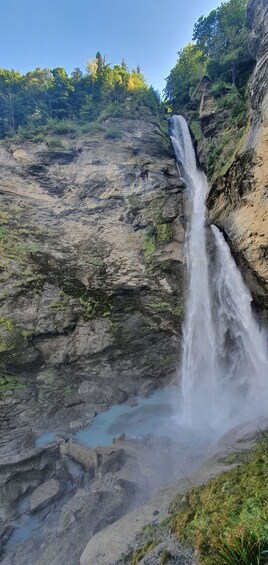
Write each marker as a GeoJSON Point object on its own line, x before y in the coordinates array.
{"type": "Point", "coordinates": [7, 324]}
{"type": "Point", "coordinates": [219, 88]}
{"type": "Point", "coordinates": [61, 304]}
{"type": "Point", "coordinates": [159, 305]}
{"type": "Point", "coordinates": [95, 307]}
{"type": "Point", "coordinates": [163, 233]}
{"type": "Point", "coordinates": [227, 519]}
{"type": "Point", "coordinates": [178, 312]}
{"type": "Point", "coordinates": [220, 52]}
{"type": "Point", "coordinates": [54, 143]}
{"type": "Point", "coordinates": [140, 554]}
{"type": "Point", "coordinates": [189, 68]}
{"type": "Point", "coordinates": [112, 133]}
{"type": "Point", "coordinates": [9, 384]}
{"type": "Point", "coordinates": [149, 244]}
{"type": "Point", "coordinates": [93, 260]}
{"type": "Point", "coordinates": [66, 520]}
{"type": "Point", "coordinates": [196, 129]}
{"type": "Point", "coordinates": [245, 549]}
{"type": "Point", "coordinates": [61, 127]}
{"type": "Point", "coordinates": [221, 155]}
{"type": "Point", "coordinates": [156, 234]}
{"type": "Point", "coordinates": [223, 39]}
{"type": "Point", "coordinates": [48, 101]}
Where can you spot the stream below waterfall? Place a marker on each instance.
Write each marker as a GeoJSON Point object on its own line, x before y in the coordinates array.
{"type": "Point", "coordinates": [153, 415]}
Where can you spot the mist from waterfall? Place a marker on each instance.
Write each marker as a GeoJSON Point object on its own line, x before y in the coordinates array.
{"type": "Point", "coordinates": [224, 372]}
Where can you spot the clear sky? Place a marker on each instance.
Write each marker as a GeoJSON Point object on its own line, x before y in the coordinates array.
{"type": "Point", "coordinates": [67, 33]}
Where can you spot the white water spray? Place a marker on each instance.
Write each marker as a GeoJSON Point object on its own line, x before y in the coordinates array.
{"type": "Point", "coordinates": [225, 363]}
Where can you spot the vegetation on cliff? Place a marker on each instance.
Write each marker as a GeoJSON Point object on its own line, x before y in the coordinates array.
{"type": "Point", "coordinates": [226, 519]}
{"type": "Point", "coordinates": [209, 82]}
{"type": "Point", "coordinates": [49, 101]}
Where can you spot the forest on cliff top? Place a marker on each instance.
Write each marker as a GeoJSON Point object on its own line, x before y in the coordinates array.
{"type": "Point", "coordinates": [45, 101]}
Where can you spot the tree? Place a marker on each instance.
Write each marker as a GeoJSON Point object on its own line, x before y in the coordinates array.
{"type": "Point", "coordinates": [223, 38]}
{"type": "Point", "coordinates": [10, 82]}
{"type": "Point", "coordinates": [36, 99]}
{"type": "Point", "coordinates": [43, 95]}
{"type": "Point", "coordinates": [136, 80]}
{"type": "Point", "coordinates": [78, 94]}
{"type": "Point", "coordinates": [60, 93]}
{"type": "Point", "coordinates": [189, 69]}
{"type": "Point", "coordinates": [124, 65]}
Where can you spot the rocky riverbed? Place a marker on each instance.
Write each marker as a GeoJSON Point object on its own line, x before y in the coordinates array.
{"type": "Point", "coordinates": [56, 497]}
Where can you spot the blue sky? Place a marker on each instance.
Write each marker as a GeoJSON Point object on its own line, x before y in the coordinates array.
{"type": "Point", "coordinates": [67, 33]}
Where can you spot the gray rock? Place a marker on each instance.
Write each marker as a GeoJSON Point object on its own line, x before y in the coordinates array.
{"type": "Point", "coordinates": [44, 494]}
{"type": "Point", "coordinates": [113, 463]}
{"type": "Point", "coordinates": [76, 425]}
{"type": "Point", "coordinates": [93, 393]}
{"type": "Point", "coordinates": [72, 399]}
{"type": "Point", "coordinates": [84, 455]}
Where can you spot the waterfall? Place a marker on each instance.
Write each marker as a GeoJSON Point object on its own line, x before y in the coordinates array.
{"type": "Point", "coordinates": [224, 372]}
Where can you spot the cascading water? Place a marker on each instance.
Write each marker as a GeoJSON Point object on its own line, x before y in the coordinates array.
{"type": "Point", "coordinates": [224, 377]}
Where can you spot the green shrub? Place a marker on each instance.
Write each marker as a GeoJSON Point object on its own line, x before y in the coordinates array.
{"type": "Point", "coordinates": [140, 554]}
{"type": "Point", "coordinates": [61, 127]}
{"type": "Point", "coordinates": [247, 549]}
{"type": "Point", "coordinates": [112, 134]}
{"type": "Point", "coordinates": [227, 519]}
{"type": "Point", "coordinates": [220, 88]}
{"type": "Point", "coordinates": [91, 127]}
{"type": "Point", "coordinates": [196, 129]}
{"type": "Point", "coordinates": [38, 138]}
{"type": "Point", "coordinates": [54, 143]}
{"type": "Point", "coordinates": [164, 233]}
{"type": "Point", "coordinates": [113, 110]}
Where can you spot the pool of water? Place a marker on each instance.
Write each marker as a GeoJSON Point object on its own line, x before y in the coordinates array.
{"type": "Point", "coordinates": [45, 439]}
{"type": "Point", "coordinates": [153, 415]}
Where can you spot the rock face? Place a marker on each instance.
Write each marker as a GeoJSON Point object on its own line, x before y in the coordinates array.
{"type": "Point", "coordinates": [238, 201]}
{"type": "Point", "coordinates": [91, 263]}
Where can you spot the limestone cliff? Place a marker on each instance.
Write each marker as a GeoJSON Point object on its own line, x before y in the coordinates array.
{"type": "Point", "coordinates": [238, 200]}
{"type": "Point", "coordinates": [91, 263]}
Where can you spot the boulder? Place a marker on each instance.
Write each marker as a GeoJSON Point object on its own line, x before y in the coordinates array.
{"type": "Point", "coordinates": [93, 393]}
{"type": "Point", "coordinates": [44, 494]}
{"type": "Point", "coordinates": [113, 463]}
{"type": "Point", "coordinates": [84, 455]}
{"type": "Point", "coordinates": [72, 399]}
